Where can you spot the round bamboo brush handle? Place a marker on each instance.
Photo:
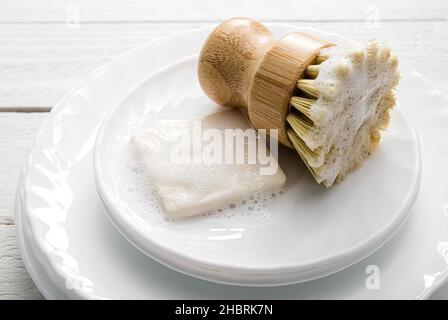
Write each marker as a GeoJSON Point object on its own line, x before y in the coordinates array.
{"type": "Point", "coordinates": [242, 65]}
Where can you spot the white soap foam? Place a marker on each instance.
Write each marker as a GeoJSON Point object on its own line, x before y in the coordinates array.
{"type": "Point", "coordinates": [351, 83]}
{"type": "Point", "coordinates": [139, 193]}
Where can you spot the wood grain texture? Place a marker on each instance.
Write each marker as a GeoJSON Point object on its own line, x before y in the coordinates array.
{"type": "Point", "coordinates": [229, 59]}
{"type": "Point", "coordinates": [40, 63]}
{"type": "Point", "coordinates": [17, 132]}
{"type": "Point", "coordinates": [242, 65]}
{"type": "Point", "coordinates": [276, 78]}
{"type": "Point", "coordinates": [48, 46]}
{"type": "Point", "coordinates": [15, 283]}
{"type": "Point", "coordinates": [205, 10]}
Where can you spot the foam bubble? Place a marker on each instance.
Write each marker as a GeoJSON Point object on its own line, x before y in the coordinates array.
{"type": "Point", "coordinates": [138, 193]}
{"type": "Point", "coordinates": [352, 82]}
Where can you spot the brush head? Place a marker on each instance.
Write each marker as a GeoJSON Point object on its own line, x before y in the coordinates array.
{"type": "Point", "coordinates": [340, 107]}
{"type": "Point", "coordinates": [328, 102]}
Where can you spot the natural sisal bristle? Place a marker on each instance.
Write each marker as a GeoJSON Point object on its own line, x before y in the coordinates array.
{"type": "Point", "coordinates": [307, 86]}
{"type": "Point", "coordinates": [300, 119]}
{"type": "Point", "coordinates": [312, 71]}
{"type": "Point", "coordinates": [384, 54]}
{"type": "Point", "coordinates": [301, 125]}
{"type": "Point", "coordinates": [342, 71]}
{"type": "Point", "coordinates": [393, 61]}
{"type": "Point", "coordinates": [303, 105]}
{"type": "Point", "coordinates": [305, 121]}
{"type": "Point", "coordinates": [307, 155]}
{"type": "Point", "coordinates": [357, 57]}
{"type": "Point", "coordinates": [321, 58]}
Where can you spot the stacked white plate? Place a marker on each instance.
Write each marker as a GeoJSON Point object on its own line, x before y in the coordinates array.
{"type": "Point", "coordinates": [74, 248]}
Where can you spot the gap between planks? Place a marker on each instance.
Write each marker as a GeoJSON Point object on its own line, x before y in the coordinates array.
{"type": "Point", "coordinates": [26, 109]}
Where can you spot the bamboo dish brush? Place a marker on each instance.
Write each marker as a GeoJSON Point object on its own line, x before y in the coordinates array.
{"type": "Point", "coordinates": [328, 102]}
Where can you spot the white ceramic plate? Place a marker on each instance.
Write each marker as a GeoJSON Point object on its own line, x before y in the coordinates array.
{"type": "Point", "coordinates": [41, 279]}
{"type": "Point", "coordinates": [76, 243]}
{"type": "Point", "coordinates": [344, 224]}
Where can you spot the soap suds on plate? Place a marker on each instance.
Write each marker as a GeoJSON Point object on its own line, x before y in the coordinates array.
{"type": "Point", "coordinates": [188, 168]}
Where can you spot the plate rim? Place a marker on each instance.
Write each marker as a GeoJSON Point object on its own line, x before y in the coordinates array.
{"type": "Point", "coordinates": [77, 292]}
{"type": "Point", "coordinates": [49, 291]}
{"type": "Point", "coordinates": [212, 270]}
{"type": "Point", "coordinates": [58, 107]}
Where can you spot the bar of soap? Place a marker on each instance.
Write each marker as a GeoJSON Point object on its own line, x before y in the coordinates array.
{"type": "Point", "coordinates": [194, 168]}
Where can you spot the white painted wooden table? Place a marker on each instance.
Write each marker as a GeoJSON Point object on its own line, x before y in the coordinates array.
{"type": "Point", "coordinates": [46, 47]}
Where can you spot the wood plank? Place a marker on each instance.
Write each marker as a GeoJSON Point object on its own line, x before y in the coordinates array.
{"type": "Point", "coordinates": [17, 132]}
{"type": "Point", "coordinates": [15, 283]}
{"type": "Point", "coordinates": [41, 62]}
{"type": "Point", "coordinates": [205, 10]}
